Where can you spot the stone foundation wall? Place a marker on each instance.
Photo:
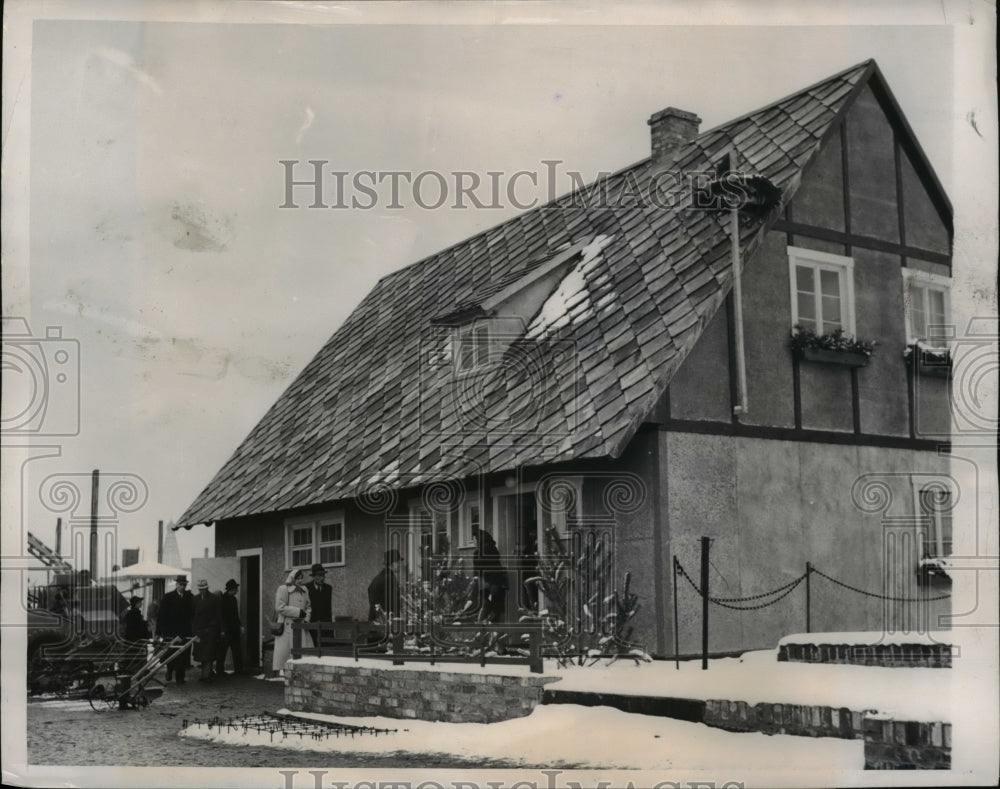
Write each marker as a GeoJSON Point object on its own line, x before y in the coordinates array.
{"type": "Point", "coordinates": [889, 655]}
{"type": "Point", "coordinates": [352, 689]}
{"type": "Point", "coordinates": [907, 745]}
{"type": "Point", "coordinates": [785, 719]}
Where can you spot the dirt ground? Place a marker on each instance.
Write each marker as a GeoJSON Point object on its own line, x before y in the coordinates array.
{"type": "Point", "coordinates": [69, 732]}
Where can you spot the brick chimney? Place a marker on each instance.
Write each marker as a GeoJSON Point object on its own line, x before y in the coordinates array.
{"type": "Point", "coordinates": [670, 129]}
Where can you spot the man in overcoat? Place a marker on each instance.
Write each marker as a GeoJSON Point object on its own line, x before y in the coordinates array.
{"type": "Point", "coordinates": [232, 630]}
{"type": "Point", "coordinates": [174, 620]}
{"type": "Point", "coordinates": [384, 592]}
{"type": "Point", "coordinates": [320, 598]}
{"type": "Point", "coordinates": [207, 625]}
{"type": "Point", "coordinates": [320, 595]}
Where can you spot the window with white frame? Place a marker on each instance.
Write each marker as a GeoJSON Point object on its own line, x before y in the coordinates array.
{"type": "Point", "coordinates": [934, 504]}
{"type": "Point", "coordinates": [470, 521]}
{"type": "Point", "coordinates": [472, 344]}
{"type": "Point", "coordinates": [926, 302]}
{"type": "Point", "coordinates": [822, 291]}
{"type": "Point", "coordinates": [315, 539]}
{"type": "Point", "coordinates": [560, 502]}
{"type": "Point", "coordinates": [430, 536]}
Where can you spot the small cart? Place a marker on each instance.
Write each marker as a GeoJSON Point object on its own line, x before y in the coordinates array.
{"type": "Point", "coordinates": [128, 691]}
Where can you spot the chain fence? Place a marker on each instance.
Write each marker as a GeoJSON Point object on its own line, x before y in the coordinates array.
{"type": "Point", "coordinates": [786, 589]}
{"type": "Point", "coordinates": [757, 602]}
{"type": "Point", "coordinates": [727, 602]}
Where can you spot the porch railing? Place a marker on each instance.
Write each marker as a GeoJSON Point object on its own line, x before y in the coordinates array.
{"type": "Point", "coordinates": [354, 638]}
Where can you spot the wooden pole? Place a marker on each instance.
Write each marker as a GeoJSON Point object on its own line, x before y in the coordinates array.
{"type": "Point", "coordinates": [159, 543]}
{"type": "Point", "coordinates": [704, 603]}
{"type": "Point", "coordinates": [94, 484]}
{"type": "Point", "coordinates": [677, 640]}
{"type": "Point", "coordinates": [809, 569]}
{"type": "Point", "coordinates": [59, 537]}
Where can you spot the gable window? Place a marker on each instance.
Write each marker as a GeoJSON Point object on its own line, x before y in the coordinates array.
{"type": "Point", "coordinates": [822, 291]}
{"type": "Point", "coordinates": [313, 539]}
{"type": "Point", "coordinates": [473, 346]}
{"type": "Point", "coordinates": [934, 505]}
{"type": "Point", "coordinates": [926, 300]}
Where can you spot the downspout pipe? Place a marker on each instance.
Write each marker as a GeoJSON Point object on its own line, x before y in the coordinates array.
{"type": "Point", "coordinates": [742, 406]}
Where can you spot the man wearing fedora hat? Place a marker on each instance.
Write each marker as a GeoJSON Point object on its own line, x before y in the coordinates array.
{"type": "Point", "coordinates": [320, 595]}
{"type": "Point", "coordinates": [207, 627]}
{"type": "Point", "coordinates": [232, 630]}
{"type": "Point", "coordinates": [383, 591]}
{"type": "Point", "coordinates": [174, 620]}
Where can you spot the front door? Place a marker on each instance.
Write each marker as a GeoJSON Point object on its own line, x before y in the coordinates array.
{"type": "Point", "coordinates": [516, 530]}
{"type": "Point", "coordinates": [250, 608]}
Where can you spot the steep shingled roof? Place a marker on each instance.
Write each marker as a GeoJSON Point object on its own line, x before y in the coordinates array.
{"type": "Point", "coordinates": [381, 405]}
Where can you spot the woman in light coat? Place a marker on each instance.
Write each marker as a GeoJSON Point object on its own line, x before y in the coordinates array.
{"type": "Point", "coordinates": [291, 602]}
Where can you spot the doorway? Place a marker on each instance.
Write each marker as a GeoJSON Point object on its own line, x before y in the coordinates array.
{"type": "Point", "coordinates": [250, 604]}
{"type": "Point", "coordinates": [515, 528]}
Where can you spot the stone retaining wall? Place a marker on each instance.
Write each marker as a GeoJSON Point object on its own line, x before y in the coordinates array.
{"type": "Point", "coordinates": [785, 719]}
{"type": "Point", "coordinates": [346, 688]}
{"type": "Point", "coordinates": [906, 745]}
{"type": "Point", "coordinates": [889, 744]}
{"type": "Point", "coordinates": [889, 655]}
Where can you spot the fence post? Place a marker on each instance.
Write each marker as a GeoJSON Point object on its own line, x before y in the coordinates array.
{"type": "Point", "coordinates": [296, 639]}
{"type": "Point", "coordinates": [705, 542]}
{"type": "Point", "coordinates": [535, 651]}
{"type": "Point", "coordinates": [809, 569]}
{"type": "Point", "coordinates": [397, 648]}
{"type": "Point", "coordinates": [677, 644]}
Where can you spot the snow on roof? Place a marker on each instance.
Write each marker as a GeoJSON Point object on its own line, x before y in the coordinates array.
{"type": "Point", "coordinates": [570, 303]}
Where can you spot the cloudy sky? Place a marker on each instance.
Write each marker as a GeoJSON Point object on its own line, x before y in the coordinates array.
{"type": "Point", "coordinates": [155, 237]}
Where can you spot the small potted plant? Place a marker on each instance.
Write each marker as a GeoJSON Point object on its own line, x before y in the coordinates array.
{"type": "Point", "coordinates": [832, 348]}
{"type": "Point", "coordinates": [928, 360]}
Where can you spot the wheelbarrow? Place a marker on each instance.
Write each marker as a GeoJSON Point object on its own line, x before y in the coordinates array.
{"type": "Point", "coordinates": [126, 691]}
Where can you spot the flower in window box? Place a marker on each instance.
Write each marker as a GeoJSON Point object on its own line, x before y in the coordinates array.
{"type": "Point", "coordinates": [834, 347]}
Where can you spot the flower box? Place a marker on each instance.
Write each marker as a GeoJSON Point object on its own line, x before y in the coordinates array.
{"type": "Point", "coordinates": [827, 356]}
{"type": "Point", "coordinates": [832, 348]}
{"type": "Point", "coordinates": [934, 369]}
{"type": "Point", "coordinates": [932, 571]}
{"type": "Point", "coordinates": [929, 362]}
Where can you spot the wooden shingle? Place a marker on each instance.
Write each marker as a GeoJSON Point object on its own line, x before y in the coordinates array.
{"type": "Point", "coordinates": [370, 406]}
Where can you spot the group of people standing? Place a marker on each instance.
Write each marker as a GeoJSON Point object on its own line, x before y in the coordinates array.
{"type": "Point", "coordinates": [297, 600]}
{"type": "Point", "coordinates": [215, 621]}
{"type": "Point", "coordinates": [490, 590]}
{"type": "Point", "coordinates": [312, 601]}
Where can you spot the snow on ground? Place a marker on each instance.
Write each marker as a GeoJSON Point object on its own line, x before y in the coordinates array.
{"type": "Point", "coordinates": [567, 735]}
{"type": "Point", "coordinates": [448, 668]}
{"type": "Point", "coordinates": [922, 694]}
{"type": "Point", "coordinates": [869, 638]}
